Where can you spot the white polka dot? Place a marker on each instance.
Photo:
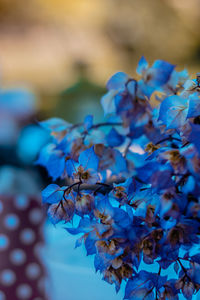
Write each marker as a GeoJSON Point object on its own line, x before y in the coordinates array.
{"type": "Point", "coordinates": [11, 221]}
{"type": "Point", "coordinates": [2, 296]}
{"type": "Point", "coordinates": [17, 257]}
{"type": "Point", "coordinates": [4, 242]}
{"type": "Point", "coordinates": [27, 236]}
{"type": "Point", "coordinates": [33, 271]}
{"type": "Point", "coordinates": [21, 202]}
{"type": "Point", "coordinates": [35, 216]}
{"type": "Point", "coordinates": [24, 291]}
{"type": "Point", "coordinates": [7, 277]}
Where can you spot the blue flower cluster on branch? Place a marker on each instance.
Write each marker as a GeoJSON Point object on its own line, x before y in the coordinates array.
{"type": "Point", "coordinates": [133, 182]}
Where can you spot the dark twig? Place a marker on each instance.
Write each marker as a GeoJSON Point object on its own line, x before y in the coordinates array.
{"type": "Point", "coordinates": [170, 139]}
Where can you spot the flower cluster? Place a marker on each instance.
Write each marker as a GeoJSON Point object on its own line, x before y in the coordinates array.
{"type": "Point", "coordinates": [133, 182]}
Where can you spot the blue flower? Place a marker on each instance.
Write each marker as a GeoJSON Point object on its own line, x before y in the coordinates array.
{"type": "Point", "coordinates": [86, 169]}
{"type": "Point", "coordinates": [133, 182]}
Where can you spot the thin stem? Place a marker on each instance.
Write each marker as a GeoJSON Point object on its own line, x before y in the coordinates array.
{"type": "Point", "coordinates": [70, 187]}
{"type": "Point", "coordinates": [95, 126]}
{"type": "Point", "coordinates": [104, 184]}
{"type": "Point", "coordinates": [170, 138]}
{"type": "Point", "coordinates": [139, 180]}
{"type": "Point", "coordinates": [183, 268]}
{"type": "Point", "coordinates": [186, 259]}
{"type": "Point", "coordinates": [127, 148]}
{"type": "Point", "coordinates": [177, 174]}
{"type": "Point", "coordinates": [106, 124]}
{"type": "Point", "coordinates": [78, 192]}
{"type": "Point", "coordinates": [97, 190]}
{"type": "Point", "coordinates": [76, 125]}
{"type": "Point", "coordinates": [187, 143]}
{"type": "Point", "coordinates": [159, 271]}
{"type": "Point", "coordinates": [182, 179]}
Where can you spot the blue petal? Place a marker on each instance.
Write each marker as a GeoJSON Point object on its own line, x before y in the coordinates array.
{"type": "Point", "coordinates": [196, 258]}
{"type": "Point", "coordinates": [56, 166]}
{"type": "Point", "coordinates": [178, 78]}
{"type": "Point", "coordinates": [55, 124]}
{"type": "Point", "coordinates": [166, 181]}
{"type": "Point", "coordinates": [194, 136]}
{"type": "Point", "coordinates": [117, 81]}
{"type": "Point", "coordinates": [90, 246]}
{"type": "Point", "coordinates": [196, 275]}
{"type": "Point", "coordinates": [79, 242]}
{"type": "Point", "coordinates": [144, 90]}
{"type": "Point", "coordinates": [138, 286]}
{"type": "Point", "coordinates": [52, 194]}
{"type": "Point", "coordinates": [53, 160]}
{"type": "Point", "coordinates": [84, 226]}
{"type": "Point", "coordinates": [131, 87]}
{"type": "Point", "coordinates": [70, 167]}
{"type": "Point", "coordinates": [121, 218]}
{"type": "Point", "coordinates": [45, 154]}
{"type": "Point", "coordinates": [194, 106]}
{"type": "Point", "coordinates": [74, 231]}
{"type": "Point", "coordinates": [98, 263]}
{"type": "Point", "coordinates": [88, 122]}
{"type": "Point", "coordinates": [161, 72]}
{"type": "Point", "coordinates": [114, 139]}
{"type": "Point", "coordinates": [104, 206]}
{"type": "Point", "coordinates": [120, 163]}
{"type": "Point", "coordinates": [159, 281]}
{"type": "Point", "coordinates": [88, 159]}
{"type": "Point", "coordinates": [108, 102]}
{"type": "Point", "coordinates": [173, 111]}
{"type": "Point", "coordinates": [142, 65]}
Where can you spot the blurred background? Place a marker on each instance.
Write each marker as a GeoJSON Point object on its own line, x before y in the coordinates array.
{"type": "Point", "coordinates": [50, 45]}
{"type": "Point", "coordinates": [55, 58]}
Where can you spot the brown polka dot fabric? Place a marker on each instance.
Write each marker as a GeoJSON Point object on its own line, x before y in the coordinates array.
{"type": "Point", "coordinates": [22, 274]}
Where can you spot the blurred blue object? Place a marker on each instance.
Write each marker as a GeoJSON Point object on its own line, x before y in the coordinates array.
{"type": "Point", "coordinates": [15, 181]}
{"type": "Point", "coordinates": [17, 106]}
{"type": "Point", "coordinates": [19, 102]}
{"type": "Point", "coordinates": [30, 141]}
